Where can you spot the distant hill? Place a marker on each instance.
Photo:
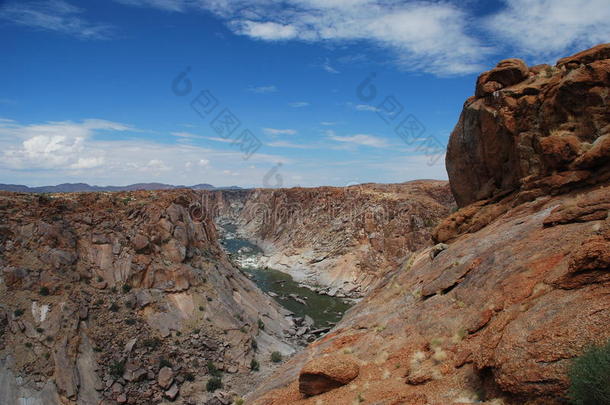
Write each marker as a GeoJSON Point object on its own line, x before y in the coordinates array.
{"type": "Point", "coordinates": [83, 187]}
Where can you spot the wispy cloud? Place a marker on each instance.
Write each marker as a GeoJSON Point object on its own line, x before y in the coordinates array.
{"type": "Point", "coordinates": [366, 107]}
{"type": "Point", "coordinates": [291, 145]}
{"type": "Point", "coordinates": [262, 89]}
{"type": "Point", "coordinates": [7, 101]}
{"type": "Point", "coordinates": [54, 15]}
{"type": "Point", "coordinates": [547, 29]}
{"type": "Point", "coordinates": [275, 131]}
{"type": "Point", "coordinates": [53, 152]}
{"type": "Point", "coordinates": [328, 123]}
{"type": "Point", "coordinates": [299, 104]}
{"type": "Point", "coordinates": [359, 139]}
{"type": "Point", "coordinates": [327, 66]}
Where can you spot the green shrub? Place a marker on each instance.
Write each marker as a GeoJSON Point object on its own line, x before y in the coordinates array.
{"type": "Point", "coordinates": [261, 325]}
{"type": "Point", "coordinates": [276, 357]}
{"type": "Point", "coordinates": [213, 384]}
{"type": "Point", "coordinates": [189, 376]}
{"type": "Point", "coordinates": [117, 369]}
{"type": "Point", "coordinates": [44, 291]}
{"type": "Point", "coordinates": [239, 401]}
{"type": "Point", "coordinates": [590, 377]}
{"type": "Point", "coordinates": [212, 370]}
{"type": "Point", "coordinates": [114, 307]}
{"type": "Point", "coordinates": [255, 365]}
{"type": "Point", "coordinates": [18, 312]}
{"type": "Point", "coordinates": [126, 288]}
{"type": "Point", "coordinates": [164, 363]}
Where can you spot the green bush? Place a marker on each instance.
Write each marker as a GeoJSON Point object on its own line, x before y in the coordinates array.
{"type": "Point", "coordinates": [261, 325]}
{"type": "Point", "coordinates": [276, 357]}
{"type": "Point", "coordinates": [255, 365]}
{"type": "Point", "coordinates": [114, 307]}
{"type": "Point", "coordinates": [44, 291]}
{"type": "Point", "coordinates": [117, 369]}
{"type": "Point", "coordinates": [212, 370]}
{"type": "Point", "coordinates": [213, 384]}
{"type": "Point", "coordinates": [590, 377]}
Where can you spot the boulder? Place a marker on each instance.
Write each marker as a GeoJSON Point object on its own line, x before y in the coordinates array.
{"type": "Point", "coordinates": [165, 377]}
{"type": "Point", "coordinates": [327, 373]}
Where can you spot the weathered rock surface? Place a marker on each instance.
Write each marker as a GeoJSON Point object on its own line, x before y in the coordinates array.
{"type": "Point", "coordinates": [522, 286]}
{"type": "Point", "coordinates": [540, 130]}
{"type": "Point", "coordinates": [99, 292]}
{"type": "Point", "coordinates": [327, 373]}
{"type": "Point", "coordinates": [344, 239]}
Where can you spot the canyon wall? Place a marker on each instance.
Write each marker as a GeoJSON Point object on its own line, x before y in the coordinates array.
{"type": "Point", "coordinates": [342, 240]}
{"type": "Point", "coordinates": [520, 286]}
{"type": "Point", "coordinates": [108, 298]}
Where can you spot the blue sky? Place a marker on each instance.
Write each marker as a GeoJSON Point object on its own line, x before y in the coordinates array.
{"type": "Point", "coordinates": [89, 87]}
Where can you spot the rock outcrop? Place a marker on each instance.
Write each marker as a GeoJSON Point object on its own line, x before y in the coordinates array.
{"type": "Point", "coordinates": [341, 239]}
{"type": "Point", "coordinates": [521, 286]}
{"type": "Point", "coordinates": [108, 298]}
{"type": "Point", "coordinates": [540, 130]}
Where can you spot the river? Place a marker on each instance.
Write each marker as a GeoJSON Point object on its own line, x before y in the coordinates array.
{"type": "Point", "coordinates": [324, 310]}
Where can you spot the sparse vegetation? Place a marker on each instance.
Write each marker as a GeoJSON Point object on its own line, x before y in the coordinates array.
{"type": "Point", "coordinates": [254, 345]}
{"type": "Point", "coordinates": [126, 288]}
{"type": "Point", "coordinates": [44, 291]}
{"type": "Point", "coordinates": [590, 376]}
{"type": "Point", "coordinates": [239, 401]}
{"type": "Point", "coordinates": [18, 312]}
{"type": "Point", "coordinates": [117, 369]}
{"type": "Point", "coordinates": [276, 357]}
{"type": "Point", "coordinates": [189, 377]}
{"type": "Point", "coordinates": [39, 330]}
{"type": "Point", "coordinates": [213, 384]}
{"type": "Point", "coordinates": [261, 324]}
{"type": "Point", "coordinates": [114, 307]}
{"type": "Point", "coordinates": [163, 362]}
{"type": "Point", "coordinates": [212, 370]}
{"type": "Point", "coordinates": [130, 321]}
{"type": "Point", "coordinates": [255, 365]}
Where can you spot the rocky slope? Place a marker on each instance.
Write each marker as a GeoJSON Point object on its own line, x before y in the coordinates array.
{"type": "Point", "coordinates": [522, 285]}
{"type": "Point", "coordinates": [341, 240]}
{"type": "Point", "coordinates": [108, 298]}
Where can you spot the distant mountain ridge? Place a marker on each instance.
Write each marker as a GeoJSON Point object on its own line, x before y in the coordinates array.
{"type": "Point", "coordinates": [84, 187]}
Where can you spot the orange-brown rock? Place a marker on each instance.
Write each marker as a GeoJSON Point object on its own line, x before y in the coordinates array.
{"type": "Point", "coordinates": [327, 373]}
{"type": "Point", "coordinates": [345, 239]}
{"type": "Point", "coordinates": [524, 127]}
{"type": "Point", "coordinates": [522, 286]}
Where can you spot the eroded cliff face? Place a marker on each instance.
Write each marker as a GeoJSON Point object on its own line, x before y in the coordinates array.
{"type": "Point", "coordinates": [522, 286]}
{"type": "Point", "coordinates": [108, 298]}
{"type": "Point", "coordinates": [340, 239]}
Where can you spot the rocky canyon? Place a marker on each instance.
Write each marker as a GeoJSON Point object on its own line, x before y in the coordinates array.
{"type": "Point", "coordinates": [477, 290]}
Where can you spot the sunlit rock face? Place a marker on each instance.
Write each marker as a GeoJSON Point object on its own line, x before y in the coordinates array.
{"type": "Point", "coordinates": [520, 286]}
{"type": "Point", "coordinates": [100, 292]}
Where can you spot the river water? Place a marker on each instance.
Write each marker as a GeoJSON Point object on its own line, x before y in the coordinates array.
{"type": "Point", "coordinates": [323, 309]}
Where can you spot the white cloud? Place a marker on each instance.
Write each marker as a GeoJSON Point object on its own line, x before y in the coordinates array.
{"type": "Point", "coordinates": [56, 152]}
{"type": "Point", "coordinates": [53, 144]}
{"type": "Point", "coordinates": [299, 104]}
{"type": "Point", "coordinates": [549, 29]}
{"type": "Point", "coordinates": [423, 35]}
{"type": "Point", "coordinates": [275, 131]}
{"type": "Point", "coordinates": [270, 31]}
{"type": "Point", "coordinates": [54, 15]}
{"type": "Point", "coordinates": [359, 139]}
{"type": "Point", "coordinates": [328, 123]}
{"type": "Point", "coordinates": [186, 135]}
{"type": "Point", "coordinates": [366, 107]}
{"type": "Point", "coordinates": [262, 89]}
{"type": "Point", "coordinates": [326, 66]}
{"type": "Point", "coordinates": [291, 145]}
